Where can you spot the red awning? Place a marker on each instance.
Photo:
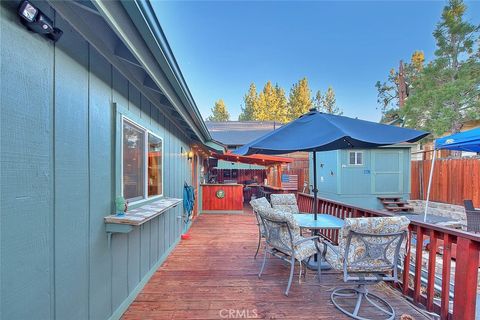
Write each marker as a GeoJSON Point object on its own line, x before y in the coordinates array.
{"type": "Point", "coordinates": [258, 159]}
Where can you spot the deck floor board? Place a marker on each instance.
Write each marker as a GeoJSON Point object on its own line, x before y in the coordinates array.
{"type": "Point", "coordinates": [214, 272]}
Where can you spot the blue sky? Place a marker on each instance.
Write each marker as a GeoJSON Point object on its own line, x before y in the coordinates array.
{"type": "Point", "coordinates": [222, 47]}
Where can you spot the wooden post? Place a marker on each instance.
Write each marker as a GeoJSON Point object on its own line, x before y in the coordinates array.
{"type": "Point", "coordinates": [446, 269]}
{"type": "Point", "coordinates": [466, 273]}
{"type": "Point", "coordinates": [432, 254]}
{"type": "Point", "coordinates": [417, 281]}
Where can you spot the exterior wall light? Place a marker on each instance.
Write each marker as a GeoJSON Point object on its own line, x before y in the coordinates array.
{"type": "Point", "coordinates": [190, 155]}
{"type": "Point", "coordinates": [36, 21]}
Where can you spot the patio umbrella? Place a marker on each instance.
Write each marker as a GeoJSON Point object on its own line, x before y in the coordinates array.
{"type": "Point", "coordinates": [317, 131]}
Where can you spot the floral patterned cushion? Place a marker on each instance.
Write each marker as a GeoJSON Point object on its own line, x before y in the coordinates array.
{"type": "Point", "coordinates": [285, 202]}
{"type": "Point", "coordinates": [256, 205]}
{"type": "Point", "coordinates": [279, 237]}
{"type": "Point", "coordinates": [368, 254]}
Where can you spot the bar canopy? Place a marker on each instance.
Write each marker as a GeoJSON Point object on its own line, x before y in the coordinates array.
{"type": "Point", "coordinates": [258, 159]}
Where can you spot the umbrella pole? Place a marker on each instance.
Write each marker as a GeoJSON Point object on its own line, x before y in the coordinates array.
{"type": "Point", "coordinates": [429, 184]}
{"type": "Point", "coordinates": [315, 190]}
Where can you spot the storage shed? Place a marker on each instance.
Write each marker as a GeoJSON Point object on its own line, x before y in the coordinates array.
{"type": "Point", "coordinates": [360, 177]}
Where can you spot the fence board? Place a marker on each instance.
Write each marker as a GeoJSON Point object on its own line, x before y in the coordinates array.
{"type": "Point", "coordinates": [454, 180]}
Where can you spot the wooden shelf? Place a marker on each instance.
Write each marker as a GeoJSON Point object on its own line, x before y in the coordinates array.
{"type": "Point", "coordinates": [142, 214]}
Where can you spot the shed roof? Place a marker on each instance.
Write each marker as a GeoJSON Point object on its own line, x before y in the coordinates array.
{"type": "Point", "coordinates": [239, 132]}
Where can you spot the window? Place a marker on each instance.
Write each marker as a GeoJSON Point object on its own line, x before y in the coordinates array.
{"type": "Point", "coordinates": [142, 167]}
{"type": "Point", "coordinates": [355, 158]}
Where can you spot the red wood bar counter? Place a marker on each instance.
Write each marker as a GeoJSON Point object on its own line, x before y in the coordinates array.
{"type": "Point", "coordinates": [222, 198]}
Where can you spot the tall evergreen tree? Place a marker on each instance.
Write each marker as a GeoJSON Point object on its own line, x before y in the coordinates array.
{"type": "Point", "coordinates": [281, 105]}
{"type": "Point", "coordinates": [250, 101]}
{"type": "Point", "coordinates": [327, 103]}
{"type": "Point", "coordinates": [447, 92]}
{"type": "Point", "coordinates": [219, 112]}
{"type": "Point", "coordinates": [388, 93]}
{"type": "Point", "coordinates": [300, 100]}
{"type": "Point", "coordinates": [266, 103]}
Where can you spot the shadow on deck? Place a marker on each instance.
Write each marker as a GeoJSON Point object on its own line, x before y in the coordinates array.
{"type": "Point", "coordinates": [213, 276]}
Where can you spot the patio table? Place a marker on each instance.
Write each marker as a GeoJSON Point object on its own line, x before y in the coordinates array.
{"type": "Point", "coordinates": [324, 221]}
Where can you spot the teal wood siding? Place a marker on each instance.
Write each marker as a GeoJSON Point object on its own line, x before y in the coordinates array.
{"type": "Point", "coordinates": [385, 172]}
{"type": "Point", "coordinates": [60, 174]}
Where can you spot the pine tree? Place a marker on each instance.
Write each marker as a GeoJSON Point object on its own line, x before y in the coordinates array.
{"type": "Point", "coordinates": [447, 91]}
{"type": "Point", "coordinates": [250, 101]}
{"type": "Point", "coordinates": [281, 105]}
{"type": "Point", "coordinates": [329, 103]}
{"type": "Point", "coordinates": [219, 112]}
{"type": "Point", "coordinates": [300, 100]}
{"type": "Point", "coordinates": [266, 103]}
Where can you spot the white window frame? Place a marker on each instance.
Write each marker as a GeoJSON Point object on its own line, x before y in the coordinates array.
{"type": "Point", "coordinates": [356, 158]}
{"type": "Point", "coordinates": [145, 161]}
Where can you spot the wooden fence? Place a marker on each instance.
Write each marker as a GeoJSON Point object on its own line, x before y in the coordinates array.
{"type": "Point", "coordinates": [429, 287]}
{"type": "Point", "coordinates": [454, 180]}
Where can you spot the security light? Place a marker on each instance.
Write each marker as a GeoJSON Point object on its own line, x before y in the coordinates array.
{"type": "Point", "coordinates": [36, 21]}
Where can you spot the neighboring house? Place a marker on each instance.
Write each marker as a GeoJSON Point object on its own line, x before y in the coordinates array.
{"type": "Point", "coordinates": [358, 177]}
{"type": "Point", "coordinates": [107, 97]}
{"type": "Point", "coordinates": [234, 134]}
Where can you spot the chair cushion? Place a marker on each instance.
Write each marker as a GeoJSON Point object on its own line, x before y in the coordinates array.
{"type": "Point", "coordinates": [305, 249]}
{"type": "Point", "coordinates": [285, 202]}
{"type": "Point", "coordinates": [256, 205]}
{"type": "Point", "coordinates": [358, 258]}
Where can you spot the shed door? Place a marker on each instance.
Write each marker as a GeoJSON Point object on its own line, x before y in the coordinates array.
{"type": "Point", "coordinates": [387, 171]}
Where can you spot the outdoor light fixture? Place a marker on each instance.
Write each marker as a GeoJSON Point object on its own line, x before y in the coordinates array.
{"type": "Point", "coordinates": [190, 155]}
{"type": "Point", "coordinates": [36, 21]}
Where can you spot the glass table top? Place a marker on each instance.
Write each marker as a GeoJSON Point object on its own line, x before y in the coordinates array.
{"type": "Point", "coordinates": [324, 221]}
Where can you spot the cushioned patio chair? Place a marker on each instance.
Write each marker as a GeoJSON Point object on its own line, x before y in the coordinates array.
{"type": "Point", "coordinates": [284, 202]}
{"type": "Point", "coordinates": [256, 205]}
{"type": "Point", "coordinates": [283, 240]}
{"type": "Point", "coordinates": [473, 216]}
{"type": "Point", "coordinates": [368, 252]}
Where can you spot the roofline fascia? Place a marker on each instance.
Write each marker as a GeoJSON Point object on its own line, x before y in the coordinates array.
{"type": "Point", "coordinates": [110, 15]}
{"type": "Point", "coordinates": [149, 17]}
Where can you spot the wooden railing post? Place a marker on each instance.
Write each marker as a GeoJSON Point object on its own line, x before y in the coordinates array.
{"type": "Point", "coordinates": [466, 273]}
{"type": "Point", "coordinates": [432, 256]}
{"type": "Point", "coordinates": [417, 281]}
{"type": "Point", "coordinates": [447, 263]}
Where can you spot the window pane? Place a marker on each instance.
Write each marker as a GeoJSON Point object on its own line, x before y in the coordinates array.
{"type": "Point", "coordinates": [133, 161]}
{"type": "Point", "coordinates": [352, 158]}
{"type": "Point", "coordinates": [154, 166]}
{"type": "Point", "coordinates": [359, 158]}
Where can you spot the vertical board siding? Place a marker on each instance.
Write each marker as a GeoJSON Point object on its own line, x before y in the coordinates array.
{"type": "Point", "coordinates": [71, 175]}
{"type": "Point", "coordinates": [26, 205]}
{"type": "Point", "coordinates": [101, 184]}
{"type": "Point", "coordinates": [58, 129]}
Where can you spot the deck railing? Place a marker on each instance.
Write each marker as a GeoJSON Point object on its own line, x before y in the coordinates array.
{"type": "Point", "coordinates": [423, 285]}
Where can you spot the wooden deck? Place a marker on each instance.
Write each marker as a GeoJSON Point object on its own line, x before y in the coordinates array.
{"type": "Point", "coordinates": [213, 276]}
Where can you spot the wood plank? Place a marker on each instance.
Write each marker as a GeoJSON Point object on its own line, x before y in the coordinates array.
{"type": "Point", "coordinates": [215, 271]}
{"type": "Point", "coordinates": [465, 289]}
{"type": "Point", "coordinates": [71, 175]}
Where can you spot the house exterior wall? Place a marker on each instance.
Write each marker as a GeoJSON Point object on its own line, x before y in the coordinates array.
{"type": "Point", "coordinates": [385, 172]}
{"type": "Point", "coordinates": [59, 176]}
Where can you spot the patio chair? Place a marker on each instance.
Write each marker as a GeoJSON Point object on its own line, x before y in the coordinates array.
{"type": "Point", "coordinates": [283, 240]}
{"type": "Point", "coordinates": [256, 205]}
{"type": "Point", "coordinates": [284, 202]}
{"type": "Point", "coordinates": [368, 252]}
{"type": "Point", "coordinates": [473, 216]}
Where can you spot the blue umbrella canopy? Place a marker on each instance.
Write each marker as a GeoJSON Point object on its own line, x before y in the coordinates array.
{"type": "Point", "coordinates": [462, 141]}
{"type": "Point", "coordinates": [317, 131]}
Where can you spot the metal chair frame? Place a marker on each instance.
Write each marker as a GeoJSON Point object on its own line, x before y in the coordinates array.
{"type": "Point", "coordinates": [286, 253]}
{"type": "Point", "coordinates": [372, 251]}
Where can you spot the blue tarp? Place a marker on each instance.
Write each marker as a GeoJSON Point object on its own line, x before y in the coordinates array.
{"type": "Point", "coordinates": [462, 141]}
{"type": "Point", "coordinates": [317, 131]}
